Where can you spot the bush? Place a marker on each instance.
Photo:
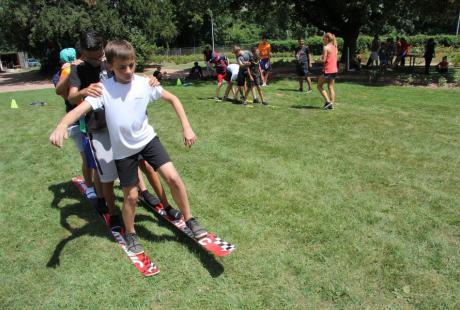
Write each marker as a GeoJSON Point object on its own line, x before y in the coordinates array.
{"type": "Point", "coordinates": [442, 81]}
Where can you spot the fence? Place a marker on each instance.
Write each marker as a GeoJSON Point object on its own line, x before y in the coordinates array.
{"type": "Point", "coordinates": [185, 51]}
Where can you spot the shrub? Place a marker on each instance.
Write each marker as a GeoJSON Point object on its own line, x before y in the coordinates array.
{"type": "Point", "coordinates": [442, 81]}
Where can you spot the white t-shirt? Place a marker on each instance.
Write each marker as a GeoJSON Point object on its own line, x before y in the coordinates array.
{"type": "Point", "coordinates": [125, 108]}
{"type": "Point", "coordinates": [233, 68]}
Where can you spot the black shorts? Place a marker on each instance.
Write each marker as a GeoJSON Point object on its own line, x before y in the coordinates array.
{"type": "Point", "coordinates": [302, 69]}
{"type": "Point", "coordinates": [329, 76]}
{"type": "Point", "coordinates": [257, 80]}
{"type": "Point", "coordinates": [154, 153]}
{"type": "Point", "coordinates": [242, 77]}
{"type": "Point", "coordinates": [227, 76]}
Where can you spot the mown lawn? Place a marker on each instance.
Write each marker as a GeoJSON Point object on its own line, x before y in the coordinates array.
{"type": "Point", "coordinates": [352, 208]}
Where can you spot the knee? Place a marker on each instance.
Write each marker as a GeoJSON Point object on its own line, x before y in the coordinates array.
{"type": "Point", "coordinates": [173, 179]}
{"type": "Point", "coordinates": [131, 197]}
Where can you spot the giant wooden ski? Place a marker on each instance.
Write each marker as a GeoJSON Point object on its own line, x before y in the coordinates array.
{"type": "Point", "coordinates": [210, 242]}
{"type": "Point", "coordinates": [141, 261]}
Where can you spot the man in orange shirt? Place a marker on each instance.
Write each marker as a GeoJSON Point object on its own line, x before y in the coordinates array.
{"type": "Point", "coordinates": [265, 51]}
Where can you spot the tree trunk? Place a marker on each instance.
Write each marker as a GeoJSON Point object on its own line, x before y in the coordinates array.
{"type": "Point", "coordinates": [350, 41]}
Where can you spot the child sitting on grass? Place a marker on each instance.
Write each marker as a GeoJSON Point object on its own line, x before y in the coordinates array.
{"type": "Point", "coordinates": [125, 98]}
{"type": "Point", "coordinates": [443, 66]}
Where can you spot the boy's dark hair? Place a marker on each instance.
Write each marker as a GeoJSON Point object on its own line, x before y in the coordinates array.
{"type": "Point", "coordinates": [91, 41]}
{"type": "Point", "coordinates": [195, 63]}
{"type": "Point", "coordinates": [300, 38]}
{"type": "Point", "coordinates": [119, 49]}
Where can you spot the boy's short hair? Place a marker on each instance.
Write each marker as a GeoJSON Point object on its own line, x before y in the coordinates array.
{"type": "Point", "coordinates": [119, 49]}
{"type": "Point", "coordinates": [195, 63]}
{"type": "Point", "coordinates": [236, 48]}
{"type": "Point", "coordinates": [91, 41]}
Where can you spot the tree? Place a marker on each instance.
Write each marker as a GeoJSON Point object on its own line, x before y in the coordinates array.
{"type": "Point", "coordinates": [43, 27]}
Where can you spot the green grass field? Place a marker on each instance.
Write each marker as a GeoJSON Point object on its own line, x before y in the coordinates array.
{"type": "Point", "coordinates": [354, 208]}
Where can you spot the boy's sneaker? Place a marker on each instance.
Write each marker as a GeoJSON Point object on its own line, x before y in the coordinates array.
{"type": "Point", "coordinates": [198, 231]}
{"type": "Point", "coordinates": [149, 198]}
{"type": "Point", "coordinates": [309, 90]}
{"type": "Point", "coordinates": [115, 223]}
{"type": "Point", "coordinates": [245, 103]}
{"type": "Point", "coordinates": [256, 101]}
{"type": "Point", "coordinates": [217, 99]}
{"type": "Point", "coordinates": [90, 193]}
{"type": "Point", "coordinates": [174, 213]}
{"type": "Point", "coordinates": [265, 102]}
{"type": "Point", "coordinates": [300, 89]}
{"type": "Point", "coordinates": [132, 244]}
{"type": "Point", "coordinates": [328, 106]}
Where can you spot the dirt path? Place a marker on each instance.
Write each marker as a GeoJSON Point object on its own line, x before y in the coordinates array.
{"type": "Point", "coordinates": [23, 80]}
{"type": "Point", "coordinates": [30, 80]}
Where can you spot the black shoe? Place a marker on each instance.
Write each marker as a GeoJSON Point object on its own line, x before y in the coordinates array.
{"type": "Point", "coordinates": [132, 244]}
{"type": "Point", "coordinates": [328, 106]}
{"type": "Point", "coordinates": [300, 89]}
{"type": "Point", "coordinates": [115, 223]}
{"type": "Point", "coordinates": [264, 102]}
{"type": "Point", "coordinates": [149, 198]}
{"type": "Point", "coordinates": [101, 206]}
{"type": "Point", "coordinates": [256, 101]}
{"type": "Point", "coordinates": [198, 231]}
{"type": "Point", "coordinates": [173, 213]}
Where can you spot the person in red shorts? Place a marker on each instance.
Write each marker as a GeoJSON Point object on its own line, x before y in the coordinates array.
{"type": "Point", "coordinates": [220, 65]}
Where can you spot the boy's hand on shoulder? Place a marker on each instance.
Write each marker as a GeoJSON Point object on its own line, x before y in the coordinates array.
{"type": "Point", "coordinates": [93, 90]}
{"type": "Point", "coordinates": [58, 135]}
{"type": "Point", "coordinates": [76, 62]}
{"type": "Point", "coordinates": [189, 137]}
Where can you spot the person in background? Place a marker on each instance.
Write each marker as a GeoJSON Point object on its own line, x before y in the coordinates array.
{"type": "Point", "coordinates": [330, 69]}
{"type": "Point", "coordinates": [443, 66]}
{"type": "Point", "coordinates": [157, 73]}
{"type": "Point", "coordinates": [196, 72]}
{"type": "Point", "coordinates": [207, 54]}
{"type": "Point", "coordinates": [374, 57]}
{"type": "Point", "coordinates": [429, 54]}
{"type": "Point", "coordinates": [265, 51]}
{"type": "Point", "coordinates": [303, 66]}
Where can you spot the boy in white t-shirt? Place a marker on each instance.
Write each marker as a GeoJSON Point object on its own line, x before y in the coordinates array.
{"type": "Point", "coordinates": [125, 98]}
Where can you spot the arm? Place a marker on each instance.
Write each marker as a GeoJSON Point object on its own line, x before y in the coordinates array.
{"type": "Point", "coordinates": [310, 57]}
{"type": "Point", "coordinates": [189, 135]}
{"type": "Point", "coordinates": [76, 96]}
{"type": "Point", "coordinates": [324, 56]}
{"type": "Point", "coordinates": [62, 87]}
{"type": "Point", "coordinates": [250, 75]}
{"type": "Point", "coordinates": [60, 133]}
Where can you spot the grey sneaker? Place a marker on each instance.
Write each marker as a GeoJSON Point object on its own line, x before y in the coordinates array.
{"type": "Point", "coordinates": [328, 106]}
{"type": "Point", "coordinates": [132, 244]}
{"type": "Point", "coordinates": [256, 101]}
{"type": "Point", "coordinates": [198, 231]}
{"type": "Point", "coordinates": [309, 90]}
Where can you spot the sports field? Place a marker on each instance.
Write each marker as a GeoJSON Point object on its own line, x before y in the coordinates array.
{"type": "Point", "coordinates": [354, 208]}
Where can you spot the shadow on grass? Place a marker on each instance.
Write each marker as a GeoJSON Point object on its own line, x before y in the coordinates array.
{"type": "Point", "coordinates": [307, 107]}
{"type": "Point", "coordinates": [214, 267]}
{"type": "Point", "coordinates": [94, 226]}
